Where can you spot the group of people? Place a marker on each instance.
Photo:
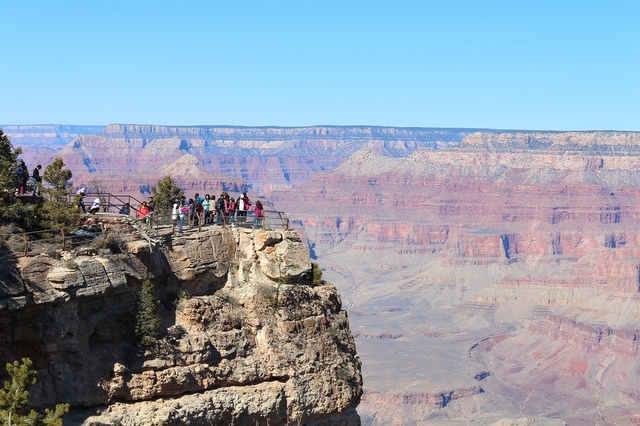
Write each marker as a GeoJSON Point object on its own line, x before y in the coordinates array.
{"type": "Point", "coordinates": [197, 210]}
{"type": "Point", "coordinates": [95, 204]}
{"type": "Point", "coordinates": [206, 210]}
{"type": "Point", "coordinates": [143, 209]}
{"type": "Point", "coordinates": [24, 178]}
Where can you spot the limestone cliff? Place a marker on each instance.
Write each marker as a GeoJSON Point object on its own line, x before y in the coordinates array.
{"type": "Point", "coordinates": [246, 338]}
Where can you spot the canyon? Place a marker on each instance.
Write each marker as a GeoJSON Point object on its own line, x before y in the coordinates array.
{"type": "Point", "coordinates": [489, 276]}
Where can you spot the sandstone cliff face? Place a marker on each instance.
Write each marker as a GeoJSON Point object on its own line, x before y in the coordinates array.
{"type": "Point", "coordinates": [250, 341]}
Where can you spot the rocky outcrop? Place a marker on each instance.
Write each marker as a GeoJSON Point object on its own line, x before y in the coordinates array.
{"type": "Point", "coordinates": [246, 338]}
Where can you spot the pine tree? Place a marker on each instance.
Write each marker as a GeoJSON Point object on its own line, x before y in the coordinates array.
{"type": "Point", "coordinates": [165, 193]}
{"type": "Point", "coordinates": [14, 210]}
{"type": "Point", "coordinates": [147, 320]}
{"type": "Point", "coordinates": [56, 209]}
{"type": "Point", "coordinates": [8, 169]}
{"type": "Point", "coordinates": [15, 409]}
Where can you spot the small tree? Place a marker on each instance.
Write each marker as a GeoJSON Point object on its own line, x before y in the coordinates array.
{"type": "Point", "coordinates": [15, 408]}
{"type": "Point", "coordinates": [8, 169]}
{"type": "Point", "coordinates": [56, 208]}
{"type": "Point", "coordinates": [13, 209]}
{"type": "Point", "coordinates": [147, 320]}
{"type": "Point", "coordinates": [316, 274]}
{"type": "Point", "coordinates": [165, 193]}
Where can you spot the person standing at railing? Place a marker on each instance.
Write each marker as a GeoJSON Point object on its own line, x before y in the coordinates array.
{"type": "Point", "coordinates": [206, 208]}
{"type": "Point", "coordinates": [184, 210]}
{"type": "Point", "coordinates": [175, 213]}
{"type": "Point", "coordinates": [80, 199]}
{"type": "Point", "coordinates": [151, 205]}
{"type": "Point", "coordinates": [231, 210]}
{"type": "Point", "coordinates": [23, 177]}
{"type": "Point", "coordinates": [37, 180]}
{"type": "Point", "coordinates": [126, 209]}
{"type": "Point", "coordinates": [196, 218]}
{"type": "Point", "coordinates": [143, 210]}
{"type": "Point", "coordinates": [258, 215]}
{"type": "Point", "coordinates": [243, 207]}
{"type": "Point", "coordinates": [220, 209]}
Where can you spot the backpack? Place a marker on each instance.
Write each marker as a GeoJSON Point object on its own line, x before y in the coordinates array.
{"type": "Point", "coordinates": [20, 171]}
{"type": "Point", "coordinates": [220, 204]}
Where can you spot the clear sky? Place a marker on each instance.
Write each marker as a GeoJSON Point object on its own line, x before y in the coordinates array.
{"type": "Point", "coordinates": [516, 64]}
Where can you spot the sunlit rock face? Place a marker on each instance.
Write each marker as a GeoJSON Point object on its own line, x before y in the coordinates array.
{"type": "Point", "coordinates": [489, 275]}
{"type": "Point", "coordinates": [246, 336]}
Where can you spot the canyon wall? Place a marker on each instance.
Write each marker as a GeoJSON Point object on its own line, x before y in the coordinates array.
{"type": "Point", "coordinates": [246, 337]}
{"type": "Point", "coordinates": [488, 274]}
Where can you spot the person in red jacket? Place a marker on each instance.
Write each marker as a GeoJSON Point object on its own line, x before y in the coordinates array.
{"type": "Point", "coordinates": [143, 210]}
{"type": "Point", "coordinates": [258, 215]}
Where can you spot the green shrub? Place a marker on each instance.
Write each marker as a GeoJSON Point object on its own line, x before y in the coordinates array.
{"type": "Point", "coordinates": [15, 408]}
{"type": "Point", "coordinates": [109, 240]}
{"type": "Point", "coordinates": [181, 297]}
{"type": "Point", "coordinates": [317, 274]}
{"type": "Point", "coordinates": [147, 320]}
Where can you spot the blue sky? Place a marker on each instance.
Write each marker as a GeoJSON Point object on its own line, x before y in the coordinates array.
{"type": "Point", "coordinates": [533, 65]}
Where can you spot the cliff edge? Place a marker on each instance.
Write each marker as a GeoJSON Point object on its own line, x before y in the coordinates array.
{"type": "Point", "coordinates": [246, 336]}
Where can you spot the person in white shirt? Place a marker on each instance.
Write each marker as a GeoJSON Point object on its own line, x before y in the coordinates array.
{"type": "Point", "coordinates": [95, 206]}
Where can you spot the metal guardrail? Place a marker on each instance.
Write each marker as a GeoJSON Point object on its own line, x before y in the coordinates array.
{"type": "Point", "coordinates": [110, 203]}
{"type": "Point", "coordinates": [154, 223]}
{"type": "Point", "coordinates": [63, 238]}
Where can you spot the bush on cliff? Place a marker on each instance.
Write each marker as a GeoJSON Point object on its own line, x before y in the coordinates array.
{"type": "Point", "coordinates": [147, 320]}
{"type": "Point", "coordinates": [317, 274]}
{"type": "Point", "coordinates": [15, 408]}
